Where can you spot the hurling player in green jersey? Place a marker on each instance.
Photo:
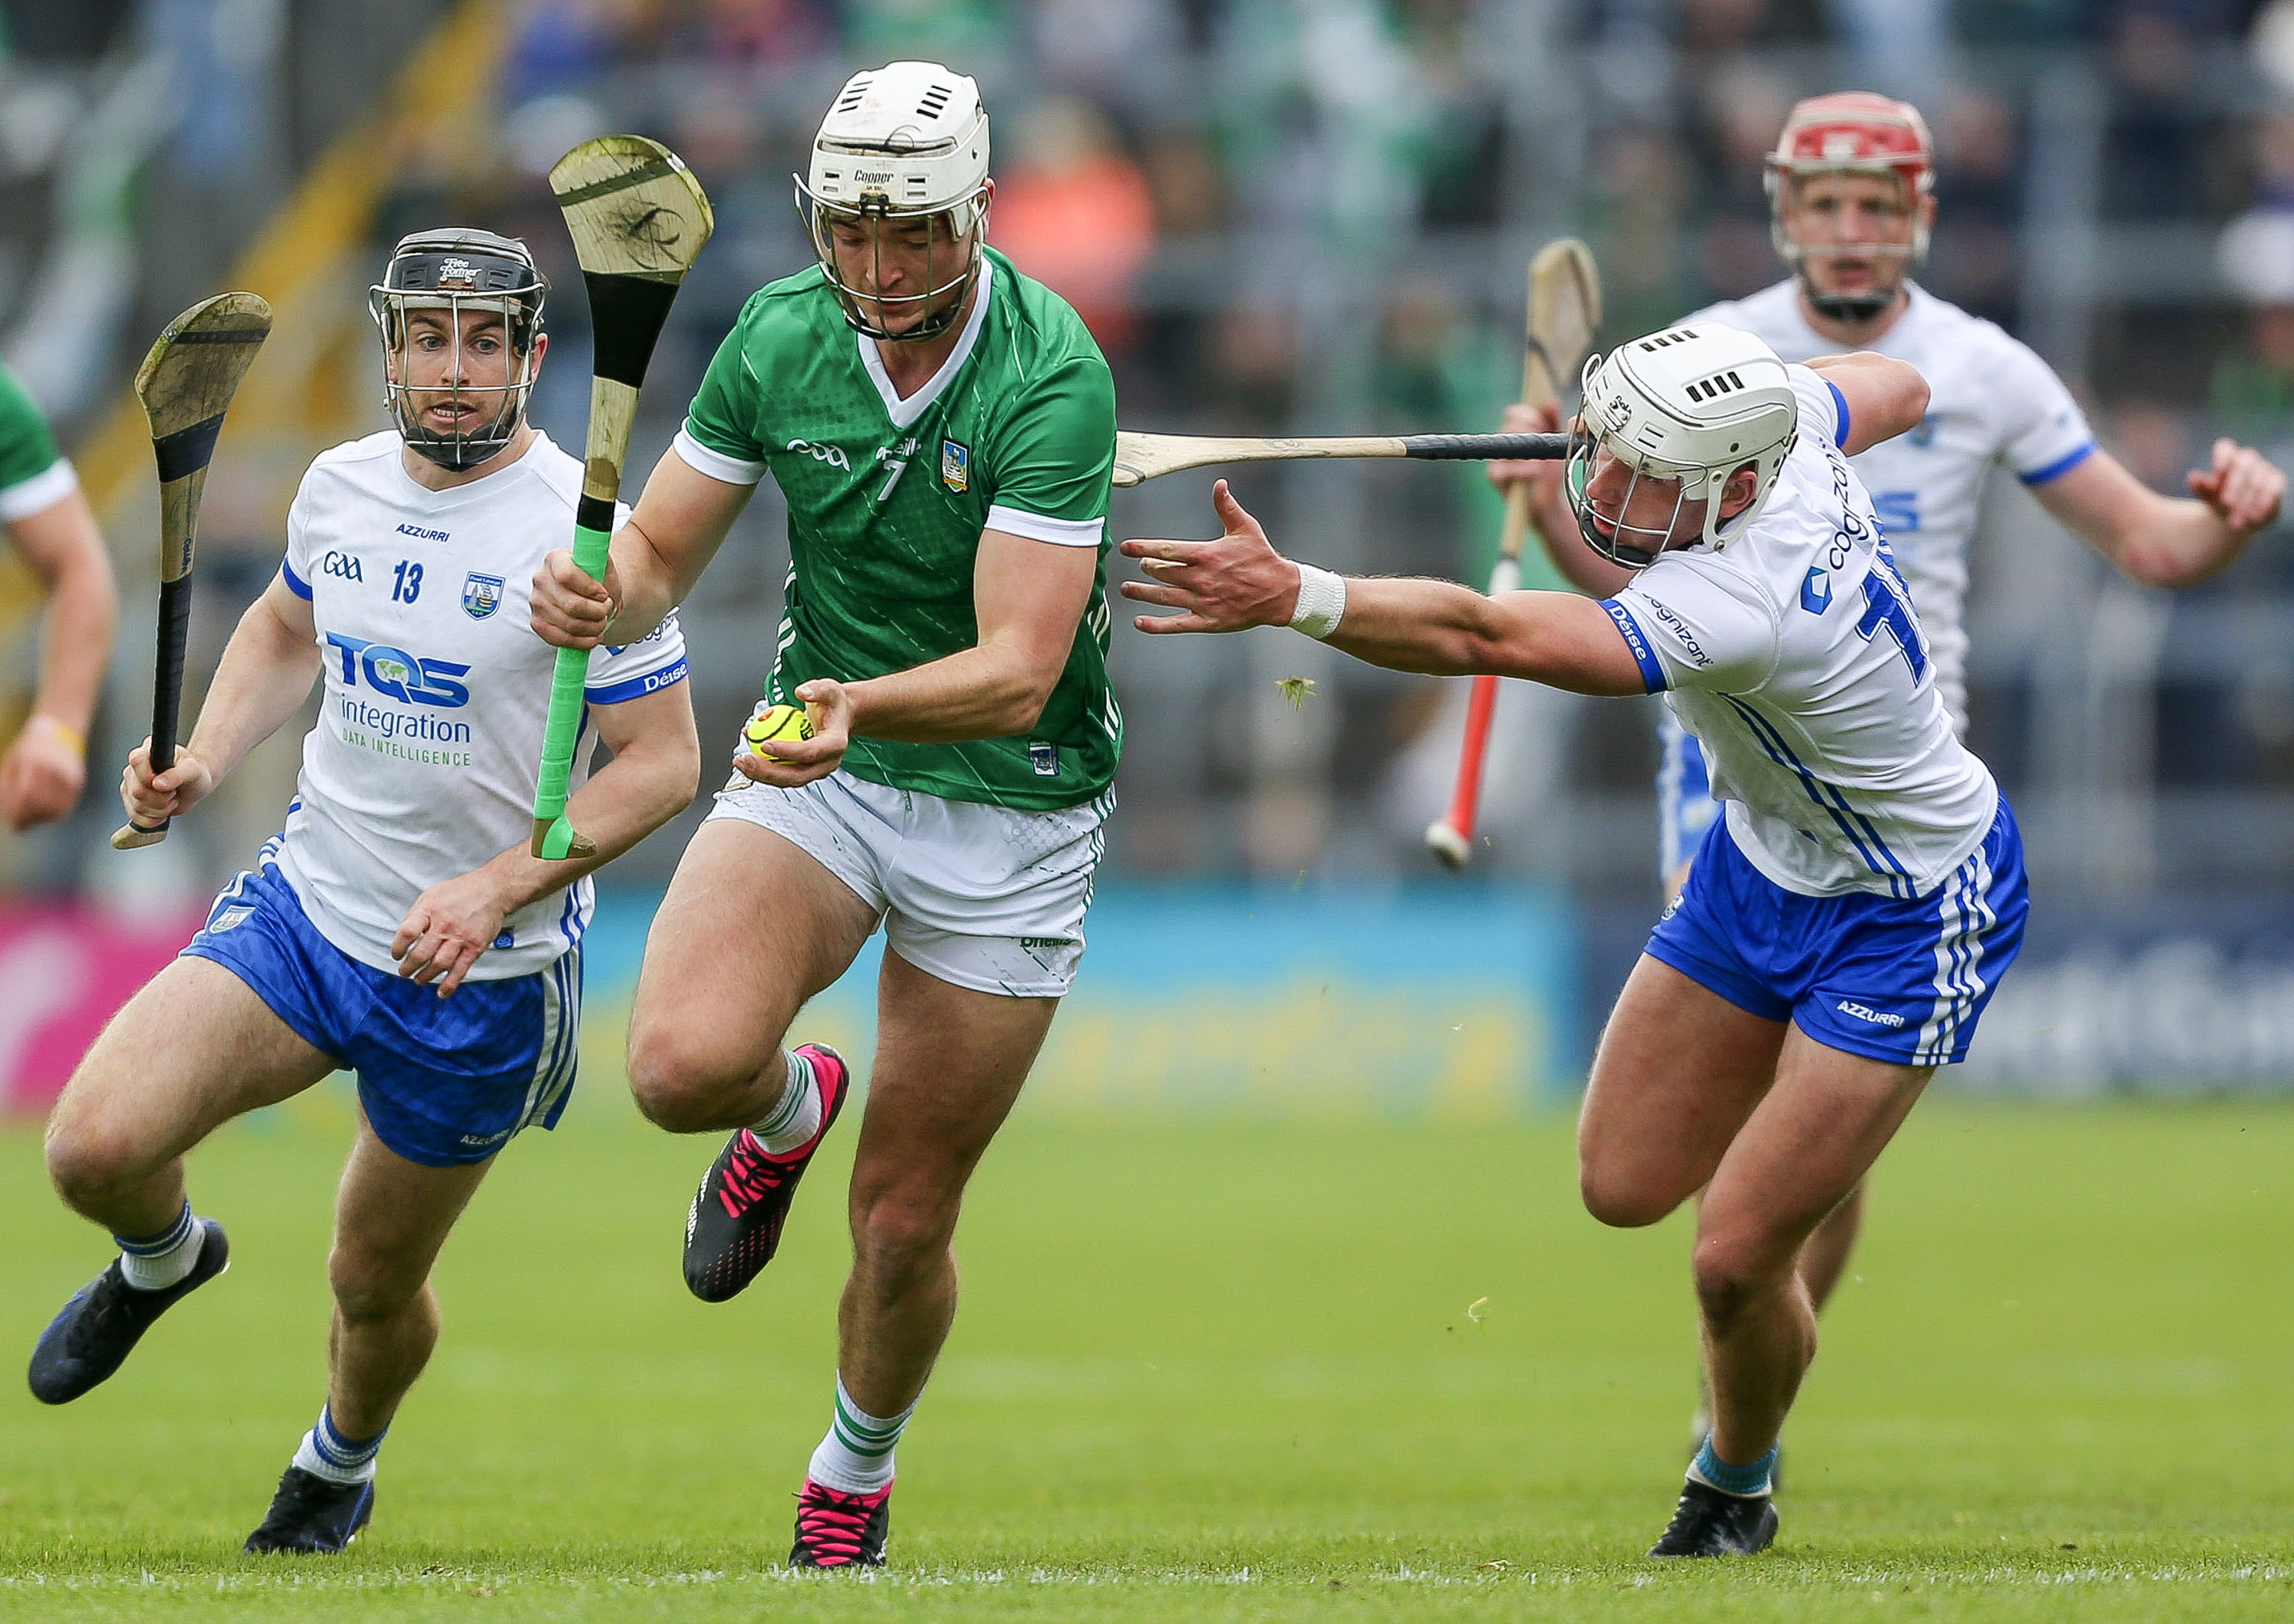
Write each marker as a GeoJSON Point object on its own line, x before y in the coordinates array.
{"type": "Point", "coordinates": [943, 429]}
{"type": "Point", "coordinates": [47, 518]}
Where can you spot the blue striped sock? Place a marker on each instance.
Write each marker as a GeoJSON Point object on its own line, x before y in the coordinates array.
{"type": "Point", "coordinates": [326, 1453]}
{"type": "Point", "coordinates": [152, 1263]}
{"type": "Point", "coordinates": [1745, 1483]}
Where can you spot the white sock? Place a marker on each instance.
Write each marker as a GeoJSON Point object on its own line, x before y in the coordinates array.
{"type": "Point", "coordinates": [152, 1263]}
{"type": "Point", "coordinates": [326, 1453]}
{"type": "Point", "coordinates": [856, 1458]}
{"type": "Point", "coordinates": [795, 1119]}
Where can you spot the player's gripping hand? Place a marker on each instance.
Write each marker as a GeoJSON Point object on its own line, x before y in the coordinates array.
{"type": "Point", "coordinates": [447, 930]}
{"type": "Point", "coordinates": [42, 775]}
{"type": "Point", "coordinates": [569, 606]}
{"type": "Point", "coordinates": [1225, 585]}
{"type": "Point", "coordinates": [2240, 485]}
{"type": "Point", "coordinates": [153, 798]}
{"type": "Point", "coordinates": [796, 761]}
{"type": "Point", "coordinates": [1547, 504]}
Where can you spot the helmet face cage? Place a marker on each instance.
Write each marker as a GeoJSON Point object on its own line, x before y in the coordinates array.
{"type": "Point", "coordinates": [450, 274]}
{"type": "Point", "coordinates": [1853, 133]}
{"type": "Point", "coordinates": [1633, 546]}
{"type": "Point", "coordinates": [958, 230]}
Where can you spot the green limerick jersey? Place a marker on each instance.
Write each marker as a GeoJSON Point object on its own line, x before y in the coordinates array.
{"type": "Point", "coordinates": [32, 476]}
{"type": "Point", "coordinates": [887, 497]}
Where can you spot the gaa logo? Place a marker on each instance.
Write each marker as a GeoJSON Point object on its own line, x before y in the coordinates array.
{"type": "Point", "coordinates": [832, 455]}
{"type": "Point", "coordinates": [342, 566]}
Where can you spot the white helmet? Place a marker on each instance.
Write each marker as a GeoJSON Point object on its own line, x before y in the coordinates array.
{"type": "Point", "coordinates": [905, 142]}
{"type": "Point", "coordinates": [1690, 404]}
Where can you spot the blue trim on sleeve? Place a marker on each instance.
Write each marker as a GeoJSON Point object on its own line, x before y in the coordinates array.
{"type": "Point", "coordinates": [295, 583]}
{"type": "Point", "coordinates": [1840, 405]}
{"type": "Point", "coordinates": [2059, 467]}
{"type": "Point", "coordinates": [1644, 656]}
{"type": "Point", "coordinates": [637, 687]}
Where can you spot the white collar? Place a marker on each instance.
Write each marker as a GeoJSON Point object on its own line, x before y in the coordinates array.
{"type": "Point", "coordinates": [904, 412]}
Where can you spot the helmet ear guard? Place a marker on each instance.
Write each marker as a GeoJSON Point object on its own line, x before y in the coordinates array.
{"type": "Point", "coordinates": [455, 272]}
{"type": "Point", "coordinates": [1691, 405]}
{"type": "Point", "coordinates": [901, 143]}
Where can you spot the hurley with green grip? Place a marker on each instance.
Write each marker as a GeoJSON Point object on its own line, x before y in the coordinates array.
{"type": "Point", "coordinates": [639, 220]}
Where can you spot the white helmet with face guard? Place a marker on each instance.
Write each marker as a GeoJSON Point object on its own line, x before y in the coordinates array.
{"type": "Point", "coordinates": [1692, 404]}
{"type": "Point", "coordinates": [907, 141]}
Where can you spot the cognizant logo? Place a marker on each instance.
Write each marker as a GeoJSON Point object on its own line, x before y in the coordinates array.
{"type": "Point", "coordinates": [396, 674]}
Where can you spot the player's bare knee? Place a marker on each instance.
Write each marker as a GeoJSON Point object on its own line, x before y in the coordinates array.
{"type": "Point", "coordinates": [1734, 1271]}
{"type": "Point", "coordinates": [899, 1237]}
{"type": "Point", "coordinates": [369, 1285]}
{"type": "Point", "coordinates": [90, 1165]}
{"type": "Point", "coordinates": [1621, 1200]}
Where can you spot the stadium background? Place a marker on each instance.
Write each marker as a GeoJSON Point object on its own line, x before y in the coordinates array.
{"type": "Point", "coordinates": [1280, 216]}
{"type": "Point", "coordinates": [1369, 1344]}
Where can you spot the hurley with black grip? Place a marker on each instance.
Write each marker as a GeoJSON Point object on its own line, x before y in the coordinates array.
{"type": "Point", "coordinates": [639, 220]}
{"type": "Point", "coordinates": [186, 383]}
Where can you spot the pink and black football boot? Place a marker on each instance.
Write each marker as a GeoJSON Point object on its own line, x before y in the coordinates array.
{"type": "Point", "coordinates": [734, 1226]}
{"type": "Point", "coordinates": [836, 1529]}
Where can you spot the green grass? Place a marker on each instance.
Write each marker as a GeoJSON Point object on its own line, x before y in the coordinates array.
{"type": "Point", "coordinates": [1217, 1371]}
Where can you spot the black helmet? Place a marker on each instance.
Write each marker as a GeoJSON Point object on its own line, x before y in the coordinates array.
{"type": "Point", "coordinates": [453, 269]}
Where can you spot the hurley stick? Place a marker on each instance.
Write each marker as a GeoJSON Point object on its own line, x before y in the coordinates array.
{"type": "Point", "coordinates": [1565, 307]}
{"type": "Point", "coordinates": [1139, 458]}
{"type": "Point", "coordinates": [639, 220]}
{"type": "Point", "coordinates": [185, 385]}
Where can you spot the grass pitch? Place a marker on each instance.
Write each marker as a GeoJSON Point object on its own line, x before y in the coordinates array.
{"type": "Point", "coordinates": [1216, 1370]}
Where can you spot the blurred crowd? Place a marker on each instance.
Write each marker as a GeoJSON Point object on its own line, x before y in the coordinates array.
{"type": "Point", "coordinates": [1312, 217]}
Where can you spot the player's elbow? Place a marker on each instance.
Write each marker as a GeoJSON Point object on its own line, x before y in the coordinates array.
{"type": "Point", "coordinates": [1020, 699]}
{"type": "Point", "coordinates": [1903, 392]}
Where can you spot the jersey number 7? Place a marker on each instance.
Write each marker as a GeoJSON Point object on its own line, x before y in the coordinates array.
{"type": "Point", "coordinates": [1884, 607]}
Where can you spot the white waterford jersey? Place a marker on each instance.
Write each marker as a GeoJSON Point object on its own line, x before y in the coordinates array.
{"type": "Point", "coordinates": [422, 766]}
{"type": "Point", "coordinates": [1990, 401]}
{"type": "Point", "coordinates": [1795, 657]}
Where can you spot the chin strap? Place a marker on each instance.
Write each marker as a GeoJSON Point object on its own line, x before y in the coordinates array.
{"type": "Point", "coordinates": [1856, 307]}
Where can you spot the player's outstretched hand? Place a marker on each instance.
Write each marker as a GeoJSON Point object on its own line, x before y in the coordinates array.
{"type": "Point", "coordinates": [447, 930]}
{"type": "Point", "coordinates": [153, 798]}
{"type": "Point", "coordinates": [1225, 585]}
{"type": "Point", "coordinates": [42, 775]}
{"type": "Point", "coordinates": [569, 606]}
{"type": "Point", "coordinates": [794, 761]}
{"type": "Point", "coordinates": [2240, 485]}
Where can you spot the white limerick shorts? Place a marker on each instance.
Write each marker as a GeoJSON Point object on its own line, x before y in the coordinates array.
{"type": "Point", "coordinates": [982, 897]}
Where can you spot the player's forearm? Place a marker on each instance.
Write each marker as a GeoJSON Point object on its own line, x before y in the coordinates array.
{"type": "Point", "coordinates": [1434, 627]}
{"type": "Point", "coordinates": [82, 615]}
{"type": "Point", "coordinates": [64, 549]}
{"type": "Point", "coordinates": [267, 671]}
{"type": "Point", "coordinates": [645, 785]}
{"type": "Point", "coordinates": [991, 691]}
{"type": "Point", "coordinates": [2177, 541]}
{"type": "Point", "coordinates": [648, 584]}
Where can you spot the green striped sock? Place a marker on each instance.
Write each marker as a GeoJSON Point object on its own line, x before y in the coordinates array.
{"type": "Point", "coordinates": [856, 1458]}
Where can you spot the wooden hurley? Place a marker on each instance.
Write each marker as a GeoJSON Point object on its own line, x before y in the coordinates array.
{"type": "Point", "coordinates": [1564, 308]}
{"type": "Point", "coordinates": [186, 383]}
{"type": "Point", "coordinates": [639, 220]}
{"type": "Point", "coordinates": [1139, 458]}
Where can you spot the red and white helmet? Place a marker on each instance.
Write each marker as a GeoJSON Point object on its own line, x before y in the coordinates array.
{"type": "Point", "coordinates": [1858, 132]}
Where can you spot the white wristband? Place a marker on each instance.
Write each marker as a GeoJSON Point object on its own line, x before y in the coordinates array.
{"type": "Point", "coordinates": [1321, 602]}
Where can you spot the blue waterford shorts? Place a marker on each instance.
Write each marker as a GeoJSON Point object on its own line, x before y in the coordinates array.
{"type": "Point", "coordinates": [1686, 810]}
{"type": "Point", "coordinates": [1897, 979]}
{"type": "Point", "coordinates": [443, 1080]}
